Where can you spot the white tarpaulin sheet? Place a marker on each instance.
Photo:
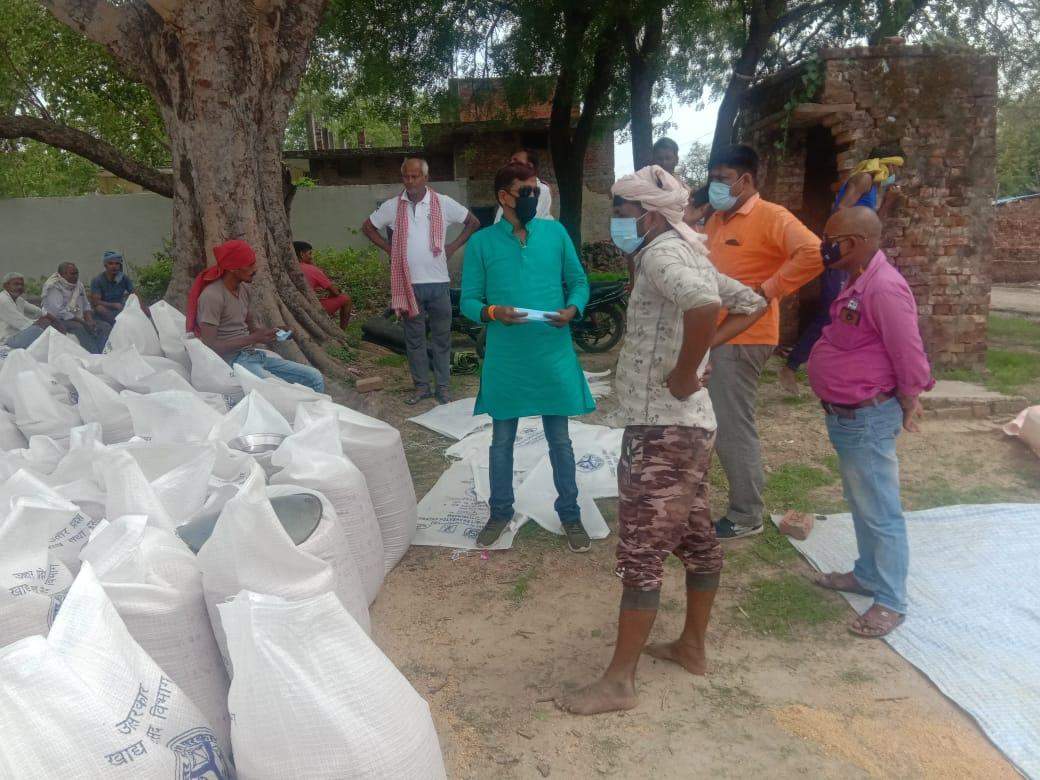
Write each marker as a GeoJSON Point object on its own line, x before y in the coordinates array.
{"type": "Point", "coordinates": [454, 511]}
{"type": "Point", "coordinates": [974, 618]}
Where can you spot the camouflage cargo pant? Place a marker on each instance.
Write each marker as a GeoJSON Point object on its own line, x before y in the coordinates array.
{"type": "Point", "coordinates": [663, 504]}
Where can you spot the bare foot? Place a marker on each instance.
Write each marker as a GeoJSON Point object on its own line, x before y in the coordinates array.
{"type": "Point", "coordinates": [690, 657]}
{"type": "Point", "coordinates": [789, 381]}
{"type": "Point", "coordinates": [602, 696]}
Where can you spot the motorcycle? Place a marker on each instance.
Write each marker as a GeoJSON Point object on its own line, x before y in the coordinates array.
{"type": "Point", "coordinates": [598, 330]}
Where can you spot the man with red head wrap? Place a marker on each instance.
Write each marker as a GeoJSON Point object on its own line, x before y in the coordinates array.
{"type": "Point", "coordinates": [219, 313]}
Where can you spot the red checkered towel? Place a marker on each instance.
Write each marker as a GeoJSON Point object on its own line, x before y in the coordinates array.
{"type": "Point", "coordinates": [402, 298]}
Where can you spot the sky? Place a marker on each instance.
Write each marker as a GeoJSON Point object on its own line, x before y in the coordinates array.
{"type": "Point", "coordinates": [690, 124]}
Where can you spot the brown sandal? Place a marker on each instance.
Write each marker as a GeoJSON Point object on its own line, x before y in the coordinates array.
{"type": "Point", "coordinates": [844, 582]}
{"type": "Point", "coordinates": [876, 622]}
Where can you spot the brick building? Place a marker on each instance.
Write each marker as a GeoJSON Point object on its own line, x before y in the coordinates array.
{"type": "Point", "coordinates": [813, 123]}
{"type": "Point", "coordinates": [482, 128]}
{"type": "Point", "coordinates": [1016, 240]}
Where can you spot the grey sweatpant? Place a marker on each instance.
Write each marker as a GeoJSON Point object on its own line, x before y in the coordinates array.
{"type": "Point", "coordinates": [434, 308]}
{"type": "Point", "coordinates": [733, 387]}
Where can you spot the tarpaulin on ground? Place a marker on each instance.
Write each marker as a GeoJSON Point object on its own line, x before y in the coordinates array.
{"type": "Point", "coordinates": [974, 617]}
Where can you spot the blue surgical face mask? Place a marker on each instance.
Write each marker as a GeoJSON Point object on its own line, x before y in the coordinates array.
{"type": "Point", "coordinates": [624, 232]}
{"type": "Point", "coordinates": [720, 196]}
{"type": "Point", "coordinates": [889, 181]}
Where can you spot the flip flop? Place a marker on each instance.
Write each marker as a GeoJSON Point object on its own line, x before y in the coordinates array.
{"type": "Point", "coordinates": [876, 622]}
{"type": "Point", "coordinates": [830, 582]}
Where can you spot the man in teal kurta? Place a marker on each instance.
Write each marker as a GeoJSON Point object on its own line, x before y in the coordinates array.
{"type": "Point", "coordinates": [530, 367]}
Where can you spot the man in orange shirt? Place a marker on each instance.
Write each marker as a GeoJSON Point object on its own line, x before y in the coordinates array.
{"type": "Point", "coordinates": [764, 246]}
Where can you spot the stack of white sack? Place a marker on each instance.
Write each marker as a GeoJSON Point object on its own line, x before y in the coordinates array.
{"type": "Point", "coordinates": [249, 549]}
{"type": "Point", "coordinates": [88, 701]}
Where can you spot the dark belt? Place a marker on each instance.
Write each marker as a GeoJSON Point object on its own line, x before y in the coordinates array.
{"type": "Point", "coordinates": [848, 411]}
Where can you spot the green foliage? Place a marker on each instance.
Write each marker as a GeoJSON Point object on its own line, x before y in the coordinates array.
{"type": "Point", "coordinates": [606, 276]}
{"type": "Point", "coordinates": [151, 281]}
{"type": "Point", "coordinates": [693, 168]}
{"type": "Point", "coordinates": [51, 71]}
{"type": "Point", "coordinates": [777, 606]}
{"type": "Point", "coordinates": [1013, 329]}
{"type": "Point", "coordinates": [1018, 144]}
{"type": "Point", "coordinates": [804, 92]}
{"type": "Point", "coordinates": [1009, 369]}
{"type": "Point", "coordinates": [362, 273]}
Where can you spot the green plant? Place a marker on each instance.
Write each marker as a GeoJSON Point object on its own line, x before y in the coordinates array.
{"type": "Point", "coordinates": [776, 606]}
{"type": "Point", "coordinates": [607, 276]}
{"type": "Point", "coordinates": [151, 281]}
{"type": "Point", "coordinates": [804, 91]}
{"type": "Point", "coordinates": [364, 274]}
{"type": "Point", "coordinates": [790, 485]}
{"type": "Point", "coordinates": [392, 361]}
{"type": "Point", "coordinates": [1018, 330]}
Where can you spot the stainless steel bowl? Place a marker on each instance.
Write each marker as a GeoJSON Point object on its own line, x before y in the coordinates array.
{"type": "Point", "coordinates": [256, 443]}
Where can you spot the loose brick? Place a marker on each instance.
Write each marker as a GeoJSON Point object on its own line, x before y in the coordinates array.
{"type": "Point", "coordinates": [797, 525]}
{"type": "Point", "coordinates": [369, 384]}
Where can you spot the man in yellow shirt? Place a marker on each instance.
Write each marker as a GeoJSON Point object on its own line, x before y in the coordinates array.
{"type": "Point", "coordinates": [764, 246]}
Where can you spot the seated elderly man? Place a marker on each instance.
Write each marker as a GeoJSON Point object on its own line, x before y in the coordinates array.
{"type": "Point", "coordinates": [65, 300]}
{"type": "Point", "coordinates": [21, 323]}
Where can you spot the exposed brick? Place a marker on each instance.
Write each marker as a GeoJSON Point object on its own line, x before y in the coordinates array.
{"type": "Point", "coordinates": [938, 105]}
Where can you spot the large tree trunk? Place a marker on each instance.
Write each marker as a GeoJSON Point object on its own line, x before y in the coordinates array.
{"type": "Point", "coordinates": [569, 141]}
{"type": "Point", "coordinates": [224, 74]}
{"type": "Point", "coordinates": [643, 72]}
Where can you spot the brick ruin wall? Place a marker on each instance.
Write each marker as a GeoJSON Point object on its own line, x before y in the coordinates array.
{"type": "Point", "coordinates": [1016, 242]}
{"type": "Point", "coordinates": [940, 107]}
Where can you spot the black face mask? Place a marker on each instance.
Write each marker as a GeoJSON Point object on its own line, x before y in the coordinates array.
{"type": "Point", "coordinates": [526, 204]}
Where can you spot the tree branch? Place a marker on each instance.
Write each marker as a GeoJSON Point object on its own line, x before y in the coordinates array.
{"type": "Point", "coordinates": [100, 21]}
{"type": "Point", "coordinates": [88, 147]}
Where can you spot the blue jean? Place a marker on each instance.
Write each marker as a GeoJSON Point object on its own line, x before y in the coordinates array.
{"type": "Point", "coordinates": [866, 448]}
{"type": "Point", "coordinates": [267, 364]}
{"type": "Point", "coordinates": [561, 456]}
{"type": "Point", "coordinates": [24, 338]}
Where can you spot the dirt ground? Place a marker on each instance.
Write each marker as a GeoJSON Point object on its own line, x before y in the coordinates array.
{"type": "Point", "coordinates": [488, 641]}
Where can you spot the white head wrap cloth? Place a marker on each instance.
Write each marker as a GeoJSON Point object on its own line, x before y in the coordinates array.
{"type": "Point", "coordinates": [8, 277]}
{"type": "Point", "coordinates": [657, 190]}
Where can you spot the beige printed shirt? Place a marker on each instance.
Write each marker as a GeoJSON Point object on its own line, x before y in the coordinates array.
{"type": "Point", "coordinates": [672, 277]}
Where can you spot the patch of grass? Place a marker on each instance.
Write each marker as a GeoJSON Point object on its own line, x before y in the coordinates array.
{"type": "Point", "coordinates": [340, 352]}
{"type": "Point", "coordinates": [772, 546]}
{"type": "Point", "coordinates": [856, 676]}
{"type": "Point", "coordinates": [534, 537]}
{"type": "Point", "coordinates": [521, 586]}
{"type": "Point", "coordinates": [939, 492]}
{"type": "Point", "coordinates": [353, 333]}
{"type": "Point", "coordinates": [790, 485]}
{"type": "Point", "coordinates": [596, 633]}
{"type": "Point", "coordinates": [717, 476]}
{"type": "Point", "coordinates": [1015, 329]}
{"type": "Point", "coordinates": [796, 400]}
{"type": "Point", "coordinates": [1010, 370]}
{"type": "Point", "coordinates": [768, 377]}
{"type": "Point", "coordinates": [776, 606]}
{"type": "Point", "coordinates": [392, 361]}
{"type": "Point", "coordinates": [671, 605]}
{"type": "Point", "coordinates": [961, 375]}
{"type": "Point", "coordinates": [731, 697]}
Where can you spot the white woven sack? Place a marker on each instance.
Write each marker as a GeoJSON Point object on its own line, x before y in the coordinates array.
{"type": "Point", "coordinates": [312, 458]}
{"type": "Point", "coordinates": [375, 447]}
{"type": "Point", "coordinates": [284, 396]}
{"type": "Point", "coordinates": [164, 380]}
{"type": "Point", "coordinates": [178, 474]}
{"type": "Point", "coordinates": [99, 403]}
{"type": "Point", "coordinates": [253, 414]}
{"type": "Point", "coordinates": [37, 413]}
{"type": "Point", "coordinates": [31, 501]}
{"type": "Point", "coordinates": [155, 585]}
{"type": "Point", "coordinates": [210, 373]}
{"type": "Point", "coordinates": [53, 344]}
{"type": "Point", "coordinates": [249, 549]}
{"type": "Point", "coordinates": [170, 416]}
{"type": "Point", "coordinates": [125, 366]}
{"type": "Point", "coordinates": [306, 675]}
{"type": "Point", "coordinates": [133, 328]}
{"type": "Point", "coordinates": [19, 361]}
{"type": "Point", "coordinates": [88, 497]}
{"type": "Point", "coordinates": [41, 456]}
{"type": "Point", "coordinates": [33, 581]}
{"type": "Point", "coordinates": [88, 702]}
{"type": "Point", "coordinates": [171, 327]}
{"type": "Point", "coordinates": [11, 437]}
{"type": "Point", "coordinates": [160, 363]}
{"type": "Point", "coordinates": [128, 491]}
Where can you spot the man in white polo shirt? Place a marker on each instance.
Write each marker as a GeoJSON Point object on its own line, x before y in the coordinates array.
{"type": "Point", "coordinates": [419, 280]}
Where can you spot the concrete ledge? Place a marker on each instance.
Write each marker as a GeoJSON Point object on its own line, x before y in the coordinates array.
{"type": "Point", "coordinates": [953, 399]}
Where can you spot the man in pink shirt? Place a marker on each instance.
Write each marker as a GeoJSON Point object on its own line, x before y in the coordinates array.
{"type": "Point", "coordinates": [329, 296]}
{"type": "Point", "coordinates": [868, 369]}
